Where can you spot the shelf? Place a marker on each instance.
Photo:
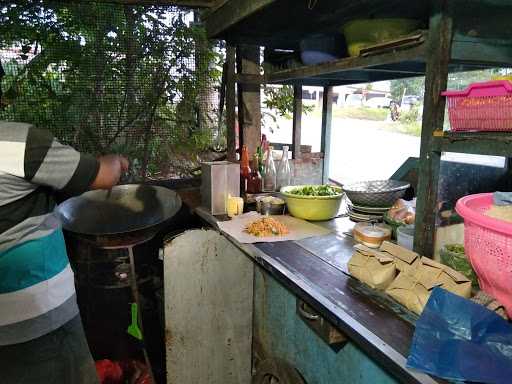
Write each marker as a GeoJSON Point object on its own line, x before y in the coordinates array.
{"type": "Point", "coordinates": [385, 66]}
{"type": "Point", "coordinates": [283, 23]}
{"type": "Point", "coordinates": [478, 143]}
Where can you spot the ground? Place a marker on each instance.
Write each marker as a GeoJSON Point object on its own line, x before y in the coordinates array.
{"type": "Point", "coordinates": [361, 149]}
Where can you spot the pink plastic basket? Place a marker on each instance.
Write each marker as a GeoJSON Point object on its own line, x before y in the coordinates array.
{"type": "Point", "coordinates": [488, 244]}
{"type": "Point", "coordinates": [481, 107]}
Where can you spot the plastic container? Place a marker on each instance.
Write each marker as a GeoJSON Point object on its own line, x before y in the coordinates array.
{"type": "Point", "coordinates": [371, 235]}
{"type": "Point", "coordinates": [405, 236]}
{"type": "Point", "coordinates": [363, 33]}
{"type": "Point", "coordinates": [483, 106]}
{"type": "Point", "coordinates": [488, 245]}
{"type": "Point", "coordinates": [319, 48]}
{"type": "Point", "coordinates": [314, 208]}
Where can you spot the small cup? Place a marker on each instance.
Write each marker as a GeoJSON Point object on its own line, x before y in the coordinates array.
{"type": "Point", "coordinates": [235, 206]}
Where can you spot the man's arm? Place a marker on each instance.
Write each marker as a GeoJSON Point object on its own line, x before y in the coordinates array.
{"type": "Point", "coordinates": [110, 170]}
{"type": "Point", "coordinates": [48, 162]}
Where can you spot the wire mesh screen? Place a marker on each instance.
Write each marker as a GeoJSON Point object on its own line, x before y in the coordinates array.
{"type": "Point", "coordinates": [138, 80]}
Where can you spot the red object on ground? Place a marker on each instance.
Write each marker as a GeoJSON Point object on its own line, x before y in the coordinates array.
{"type": "Point", "coordinates": [127, 371]}
{"type": "Point", "coordinates": [109, 372]}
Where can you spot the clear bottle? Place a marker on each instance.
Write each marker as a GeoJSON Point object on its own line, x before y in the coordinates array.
{"type": "Point", "coordinates": [284, 172]}
{"type": "Point", "coordinates": [269, 175]}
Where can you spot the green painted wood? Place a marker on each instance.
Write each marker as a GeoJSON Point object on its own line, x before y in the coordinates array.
{"type": "Point", "coordinates": [468, 50]}
{"type": "Point", "coordinates": [230, 13]}
{"type": "Point", "coordinates": [325, 144]}
{"type": "Point", "coordinates": [440, 37]}
{"type": "Point", "coordinates": [297, 121]}
{"type": "Point", "coordinates": [280, 333]}
{"type": "Point", "coordinates": [230, 103]}
{"type": "Point", "coordinates": [249, 97]}
{"type": "Point", "coordinates": [494, 144]}
{"type": "Point", "coordinates": [409, 164]}
{"type": "Point", "coordinates": [264, 26]}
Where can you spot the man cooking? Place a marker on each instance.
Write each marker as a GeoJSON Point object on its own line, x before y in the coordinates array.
{"type": "Point", "coordinates": [41, 334]}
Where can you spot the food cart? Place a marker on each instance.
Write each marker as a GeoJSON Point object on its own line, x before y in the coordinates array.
{"type": "Point", "coordinates": [310, 321]}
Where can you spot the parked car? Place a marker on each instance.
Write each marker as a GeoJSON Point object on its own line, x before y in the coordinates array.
{"type": "Point", "coordinates": [378, 102]}
{"type": "Point", "coordinates": [354, 100]}
{"type": "Point", "coordinates": [409, 101]}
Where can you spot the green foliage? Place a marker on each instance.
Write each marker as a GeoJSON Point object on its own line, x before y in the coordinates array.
{"type": "Point", "coordinates": [280, 100]}
{"type": "Point", "coordinates": [413, 86]}
{"type": "Point", "coordinates": [109, 77]}
{"type": "Point", "coordinates": [410, 116]}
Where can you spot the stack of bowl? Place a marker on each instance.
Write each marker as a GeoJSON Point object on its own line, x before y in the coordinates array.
{"type": "Point", "coordinates": [370, 200]}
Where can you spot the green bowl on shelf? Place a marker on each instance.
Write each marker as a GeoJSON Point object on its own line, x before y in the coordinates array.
{"type": "Point", "coordinates": [363, 33]}
{"type": "Point", "coordinates": [313, 208]}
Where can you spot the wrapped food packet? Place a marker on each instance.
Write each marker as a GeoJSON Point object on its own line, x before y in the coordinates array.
{"type": "Point", "coordinates": [446, 277]}
{"type": "Point", "coordinates": [412, 290]}
{"type": "Point", "coordinates": [405, 259]}
{"type": "Point", "coordinates": [372, 267]}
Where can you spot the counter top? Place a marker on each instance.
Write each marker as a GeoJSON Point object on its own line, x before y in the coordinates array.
{"type": "Point", "coordinates": [314, 269]}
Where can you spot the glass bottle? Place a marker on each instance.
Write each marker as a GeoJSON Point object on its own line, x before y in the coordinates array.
{"type": "Point", "coordinates": [245, 169]}
{"type": "Point", "coordinates": [284, 172]}
{"type": "Point", "coordinates": [254, 181]}
{"type": "Point", "coordinates": [269, 178]}
{"type": "Point", "coordinates": [261, 165]}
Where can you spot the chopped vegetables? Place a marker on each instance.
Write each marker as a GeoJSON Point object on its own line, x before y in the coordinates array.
{"type": "Point", "coordinates": [266, 227]}
{"type": "Point", "coordinates": [456, 248]}
{"type": "Point", "coordinates": [316, 190]}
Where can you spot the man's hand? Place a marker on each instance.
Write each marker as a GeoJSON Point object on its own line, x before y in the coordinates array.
{"type": "Point", "coordinates": [111, 168]}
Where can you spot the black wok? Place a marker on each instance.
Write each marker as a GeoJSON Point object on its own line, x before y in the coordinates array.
{"type": "Point", "coordinates": [127, 214]}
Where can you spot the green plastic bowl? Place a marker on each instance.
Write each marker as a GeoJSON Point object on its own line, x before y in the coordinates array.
{"type": "Point", "coordinates": [313, 208]}
{"type": "Point", "coordinates": [363, 33]}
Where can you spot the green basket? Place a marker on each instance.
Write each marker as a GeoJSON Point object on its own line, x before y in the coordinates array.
{"type": "Point", "coordinates": [453, 256]}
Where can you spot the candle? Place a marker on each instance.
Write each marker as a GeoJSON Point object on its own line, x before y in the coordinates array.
{"type": "Point", "coordinates": [232, 206]}
{"type": "Point", "coordinates": [235, 206]}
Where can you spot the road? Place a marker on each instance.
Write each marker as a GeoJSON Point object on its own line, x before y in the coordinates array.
{"type": "Point", "coordinates": [360, 149]}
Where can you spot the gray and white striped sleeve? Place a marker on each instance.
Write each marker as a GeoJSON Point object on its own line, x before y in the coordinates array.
{"type": "Point", "coordinates": [50, 163]}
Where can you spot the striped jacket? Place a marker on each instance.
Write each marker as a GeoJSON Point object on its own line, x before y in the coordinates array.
{"type": "Point", "coordinates": [37, 293]}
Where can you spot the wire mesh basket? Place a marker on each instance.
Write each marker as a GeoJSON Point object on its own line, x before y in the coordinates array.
{"type": "Point", "coordinates": [376, 193]}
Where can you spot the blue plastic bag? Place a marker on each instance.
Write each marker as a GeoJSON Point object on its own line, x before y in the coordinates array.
{"type": "Point", "coordinates": [457, 339]}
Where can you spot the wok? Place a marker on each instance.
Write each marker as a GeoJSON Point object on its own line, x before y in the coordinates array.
{"type": "Point", "coordinates": [125, 214]}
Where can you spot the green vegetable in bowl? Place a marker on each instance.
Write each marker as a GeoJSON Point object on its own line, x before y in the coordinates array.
{"type": "Point", "coordinates": [316, 190]}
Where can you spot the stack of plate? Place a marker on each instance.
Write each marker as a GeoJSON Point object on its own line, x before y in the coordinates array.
{"type": "Point", "coordinates": [360, 213]}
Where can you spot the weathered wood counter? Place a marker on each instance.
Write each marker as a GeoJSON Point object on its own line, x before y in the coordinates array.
{"type": "Point", "coordinates": [315, 271]}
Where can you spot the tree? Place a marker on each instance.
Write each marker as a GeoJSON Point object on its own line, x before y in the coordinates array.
{"type": "Point", "coordinates": [412, 86]}
{"type": "Point", "coordinates": [105, 77]}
